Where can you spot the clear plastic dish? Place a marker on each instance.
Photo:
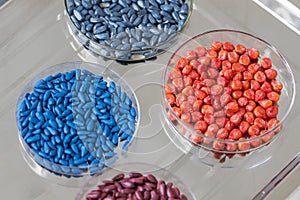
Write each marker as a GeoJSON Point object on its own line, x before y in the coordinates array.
{"type": "Point", "coordinates": [131, 54]}
{"type": "Point", "coordinates": [223, 149]}
{"type": "Point", "coordinates": [68, 174]}
{"type": "Point", "coordinates": [144, 169]}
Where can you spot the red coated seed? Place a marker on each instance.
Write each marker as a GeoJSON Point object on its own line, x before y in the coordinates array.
{"type": "Point", "coordinates": [196, 138]}
{"type": "Point", "coordinates": [194, 64]}
{"type": "Point", "coordinates": [218, 145]}
{"type": "Point", "coordinates": [201, 126]}
{"type": "Point", "coordinates": [216, 90]}
{"type": "Point", "coordinates": [272, 111]}
{"type": "Point", "coordinates": [211, 53]}
{"type": "Point", "coordinates": [216, 46]}
{"type": "Point", "coordinates": [240, 49]}
{"type": "Point", "coordinates": [244, 60]}
{"type": "Point", "coordinates": [193, 74]}
{"type": "Point", "coordinates": [213, 72]}
{"type": "Point", "coordinates": [181, 63]}
{"type": "Point", "coordinates": [214, 128]}
{"type": "Point", "coordinates": [170, 89]}
{"type": "Point", "coordinates": [238, 67]}
{"type": "Point", "coordinates": [250, 106]}
{"type": "Point", "coordinates": [190, 55]}
{"type": "Point", "coordinates": [249, 117]}
{"type": "Point", "coordinates": [222, 133]}
{"type": "Point", "coordinates": [261, 123]}
{"type": "Point", "coordinates": [266, 63]}
{"type": "Point", "coordinates": [200, 51]}
{"type": "Point", "coordinates": [187, 69]}
{"type": "Point", "coordinates": [178, 83]}
{"type": "Point", "coordinates": [180, 98]}
{"type": "Point", "coordinates": [243, 101]}
{"type": "Point", "coordinates": [276, 85]}
{"type": "Point", "coordinates": [235, 134]}
{"type": "Point", "coordinates": [260, 76]}
{"type": "Point", "coordinates": [253, 53]}
{"type": "Point", "coordinates": [253, 68]}
{"type": "Point", "coordinates": [255, 143]}
{"type": "Point", "coordinates": [188, 91]}
{"type": "Point", "coordinates": [271, 73]}
{"type": "Point", "coordinates": [266, 87]}
{"type": "Point", "coordinates": [204, 61]}
{"type": "Point", "coordinates": [265, 103]}
{"type": "Point", "coordinates": [259, 112]}
{"type": "Point", "coordinates": [225, 87]}
{"type": "Point", "coordinates": [253, 130]}
{"type": "Point", "coordinates": [170, 99]}
{"type": "Point", "coordinates": [175, 73]}
{"type": "Point", "coordinates": [228, 46]}
{"type": "Point", "coordinates": [236, 119]}
{"type": "Point", "coordinates": [222, 55]}
{"type": "Point", "coordinates": [254, 85]}
{"type": "Point", "coordinates": [186, 107]}
{"type": "Point", "coordinates": [273, 96]}
{"type": "Point", "coordinates": [233, 57]}
{"type": "Point", "coordinates": [259, 95]}
{"type": "Point", "coordinates": [216, 63]}
{"type": "Point", "coordinates": [243, 146]}
{"type": "Point", "coordinates": [244, 126]}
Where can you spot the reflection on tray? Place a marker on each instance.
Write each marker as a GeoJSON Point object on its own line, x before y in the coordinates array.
{"type": "Point", "coordinates": [285, 185]}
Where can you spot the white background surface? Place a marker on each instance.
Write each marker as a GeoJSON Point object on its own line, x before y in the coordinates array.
{"type": "Point", "coordinates": [33, 36]}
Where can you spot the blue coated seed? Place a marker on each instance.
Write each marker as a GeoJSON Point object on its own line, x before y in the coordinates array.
{"type": "Point", "coordinates": [63, 138]}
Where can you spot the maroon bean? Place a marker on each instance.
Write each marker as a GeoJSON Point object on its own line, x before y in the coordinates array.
{"type": "Point", "coordinates": [94, 195]}
{"type": "Point", "coordinates": [149, 186]}
{"type": "Point", "coordinates": [139, 195]}
{"type": "Point", "coordinates": [109, 188]}
{"type": "Point", "coordinates": [151, 178]}
{"type": "Point", "coordinates": [127, 184]}
{"type": "Point", "coordinates": [176, 190]}
{"type": "Point", "coordinates": [154, 195]}
{"type": "Point", "coordinates": [120, 195]}
{"type": "Point", "coordinates": [139, 180]}
{"type": "Point", "coordinates": [127, 191]}
{"type": "Point", "coordinates": [118, 177]}
{"type": "Point", "coordinates": [118, 186]}
{"type": "Point", "coordinates": [162, 187]}
{"type": "Point", "coordinates": [134, 174]}
{"type": "Point", "coordinates": [171, 192]}
{"type": "Point", "coordinates": [146, 195]}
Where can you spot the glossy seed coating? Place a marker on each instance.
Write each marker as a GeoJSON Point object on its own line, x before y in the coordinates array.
{"type": "Point", "coordinates": [75, 119]}
{"type": "Point", "coordinates": [147, 23]}
{"type": "Point", "coordinates": [236, 94]}
{"type": "Point", "coordinates": [135, 187]}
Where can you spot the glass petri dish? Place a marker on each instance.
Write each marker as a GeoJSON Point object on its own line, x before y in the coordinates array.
{"type": "Point", "coordinates": [126, 169]}
{"type": "Point", "coordinates": [77, 155]}
{"type": "Point", "coordinates": [137, 38]}
{"type": "Point", "coordinates": [223, 150]}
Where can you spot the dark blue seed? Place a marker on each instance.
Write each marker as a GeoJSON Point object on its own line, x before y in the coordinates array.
{"type": "Point", "coordinates": [167, 7]}
{"type": "Point", "coordinates": [184, 9]}
{"type": "Point", "coordinates": [102, 36]}
{"type": "Point", "coordinates": [151, 19]}
{"type": "Point", "coordinates": [132, 18]}
{"type": "Point", "coordinates": [137, 21]}
{"type": "Point", "coordinates": [78, 15]}
{"type": "Point", "coordinates": [154, 3]}
{"type": "Point", "coordinates": [121, 35]}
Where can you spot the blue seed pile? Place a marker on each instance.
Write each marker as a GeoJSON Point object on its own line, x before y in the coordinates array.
{"type": "Point", "coordinates": [75, 120]}
{"type": "Point", "coordinates": [128, 24]}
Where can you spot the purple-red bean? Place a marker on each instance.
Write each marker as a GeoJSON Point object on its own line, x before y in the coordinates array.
{"type": "Point", "coordinates": [135, 186]}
